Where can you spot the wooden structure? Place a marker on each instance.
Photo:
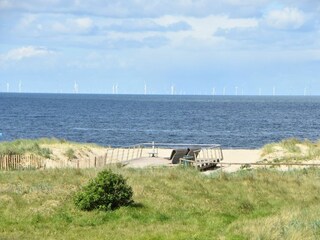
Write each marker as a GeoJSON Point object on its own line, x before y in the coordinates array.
{"type": "Point", "coordinates": [203, 158]}
{"type": "Point", "coordinates": [19, 162]}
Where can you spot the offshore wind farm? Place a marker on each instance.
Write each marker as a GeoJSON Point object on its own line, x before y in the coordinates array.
{"type": "Point", "coordinates": [172, 89]}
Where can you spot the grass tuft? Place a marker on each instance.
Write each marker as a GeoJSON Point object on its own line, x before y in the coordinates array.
{"type": "Point", "coordinates": [268, 149]}
{"type": "Point", "coordinates": [291, 145]}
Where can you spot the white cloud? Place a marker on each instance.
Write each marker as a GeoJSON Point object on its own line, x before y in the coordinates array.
{"type": "Point", "coordinates": [84, 23]}
{"type": "Point", "coordinates": [203, 29]}
{"type": "Point", "coordinates": [286, 18]}
{"type": "Point", "coordinates": [25, 52]}
{"type": "Point", "coordinates": [73, 25]}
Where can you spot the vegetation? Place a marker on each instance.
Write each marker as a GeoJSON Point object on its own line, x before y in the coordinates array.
{"type": "Point", "coordinates": [290, 145]}
{"type": "Point", "coordinates": [39, 147]}
{"type": "Point", "coordinates": [70, 154]}
{"type": "Point", "coordinates": [170, 203]}
{"type": "Point", "coordinates": [24, 146]}
{"type": "Point", "coordinates": [108, 191]}
{"type": "Point", "coordinates": [292, 149]}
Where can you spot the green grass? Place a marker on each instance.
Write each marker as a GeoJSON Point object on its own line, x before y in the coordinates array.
{"type": "Point", "coordinates": [290, 145]}
{"type": "Point", "coordinates": [70, 154]}
{"type": "Point", "coordinates": [173, 203]}
{"type": "Point", "coordinates": [33, 146]}
{"type": "Point", "coordinates": [23, 146]}
{"type": "Point", "coordinates": [268, 149]}
{"type": "Point", "coordinates": [290, 150]}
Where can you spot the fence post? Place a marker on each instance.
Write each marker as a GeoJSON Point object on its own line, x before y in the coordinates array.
{"type": "Point", "coordinates": [111, 158]}
{"type": "Point", "coordinates": [7, 161]}
{"type": "Point", "coordinates": [138, 149]}
{"type": "Point", "coordinates": [133, 149]}
{"type": "Point", "coordinates": [128, 149]}
{"type": "Point", "coordinates": [122, 155]}
{"type": "Point", "coordinates": [105, 158]}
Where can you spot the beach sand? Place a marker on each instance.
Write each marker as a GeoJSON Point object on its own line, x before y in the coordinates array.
{"type": "Point", "coordinates": [239, 156]}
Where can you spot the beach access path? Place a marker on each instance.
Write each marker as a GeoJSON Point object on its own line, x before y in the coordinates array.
{"type": "Point", "coordinates": [230, 156]}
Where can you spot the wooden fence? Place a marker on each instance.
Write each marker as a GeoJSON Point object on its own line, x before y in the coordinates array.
{"type": "Point", "coordinates": [112, 156]}
{"type": "Point", "coordinates": [19, 162]}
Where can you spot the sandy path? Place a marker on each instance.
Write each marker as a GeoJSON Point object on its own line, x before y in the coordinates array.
{"type": "Point", "coordinates": [148, 162]}
{"type": "Point", "coordinates": [239, 156]}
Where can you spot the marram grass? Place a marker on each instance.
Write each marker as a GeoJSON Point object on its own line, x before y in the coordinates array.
{"type": "Point", "coordinates": [35, 146]}
{"type": "Point", "coordinates": [291, 150]}
{"type": "Point", "coordinates": [173, 203]}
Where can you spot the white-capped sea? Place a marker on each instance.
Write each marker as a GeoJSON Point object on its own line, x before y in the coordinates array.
{"type": "Point", "coordinates": [119, 120]}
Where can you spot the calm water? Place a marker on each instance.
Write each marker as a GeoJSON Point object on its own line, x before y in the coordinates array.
{"type": "Point", "coordinates": [234, 122]}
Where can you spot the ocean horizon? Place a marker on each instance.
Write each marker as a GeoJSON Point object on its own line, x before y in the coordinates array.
{"type": "Point", "coordinates": [122, 120]}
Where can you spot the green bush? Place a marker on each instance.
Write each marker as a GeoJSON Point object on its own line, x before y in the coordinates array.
{"type": "Point", "coordinates": [107, 191]}
{"type": "Point", "coordinates": [70, 154]}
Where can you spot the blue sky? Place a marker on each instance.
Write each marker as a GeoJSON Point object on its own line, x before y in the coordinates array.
{"type": "Point", "coordinates": [188, 46]}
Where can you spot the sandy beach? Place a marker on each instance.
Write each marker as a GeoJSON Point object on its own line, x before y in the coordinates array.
{"type": "Point", "coordinates": [239, 156]}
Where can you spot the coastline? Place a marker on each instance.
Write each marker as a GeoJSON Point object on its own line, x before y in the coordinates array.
{"type": "Point", "coordinates": [55, 153]}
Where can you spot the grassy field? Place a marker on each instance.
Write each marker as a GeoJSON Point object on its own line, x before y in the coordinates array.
{"type": "Point", "coordinates": [170, 203]}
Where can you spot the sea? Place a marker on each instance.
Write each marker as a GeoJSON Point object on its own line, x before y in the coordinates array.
{"type": "Point", "coordinates": [123, 120]}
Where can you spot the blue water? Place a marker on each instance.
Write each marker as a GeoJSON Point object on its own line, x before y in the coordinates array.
{"type": "Point", "coordinates": [232, 121]}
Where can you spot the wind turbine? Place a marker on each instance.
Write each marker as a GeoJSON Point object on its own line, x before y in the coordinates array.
{"type": "Point", "coordinates": [145, 89]}
{"type": "Point", "coordinates": [236, 91]}
{"type": "Point", "coordinates": [274, 91]}
{"type": "Point", "coordinates": [260, 91]}
{"type": "Point", "coordinates": [213, 91]}
{"type": "Point", "coordinates": [172, 89]}
{"type": "Point", "coordinates": [8, 87]}
{"type": "Point", "coordinates": [224, 91]}
{"type": "Point", "coordinates": [75, 87]}
{"type": "Point", "coordinates": [20, 87]}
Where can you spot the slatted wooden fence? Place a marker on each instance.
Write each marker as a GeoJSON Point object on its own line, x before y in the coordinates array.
{"type": "Point", "coordinates": [19, 162]}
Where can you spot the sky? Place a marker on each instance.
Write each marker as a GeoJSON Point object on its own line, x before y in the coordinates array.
{"type": "Point", "coordinates": [230, 47]}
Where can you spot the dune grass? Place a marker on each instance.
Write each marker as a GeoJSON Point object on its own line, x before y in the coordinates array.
{"type": "Point", "coordinates": [292, 149]}
{"type": "Point", "coordinates": [175, 203]}
{"type": "Point", "coordinates": [34, 146]}
{"type": "Point", "coordinates": [24, 146]}
{"type": "Point", "coordinates": [290, 145]}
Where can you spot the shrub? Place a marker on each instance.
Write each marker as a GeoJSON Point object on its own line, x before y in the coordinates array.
{"type": "Point", "coordinates": [70, 154]}
{"type": "Point", "coordinates": [107, 191]}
